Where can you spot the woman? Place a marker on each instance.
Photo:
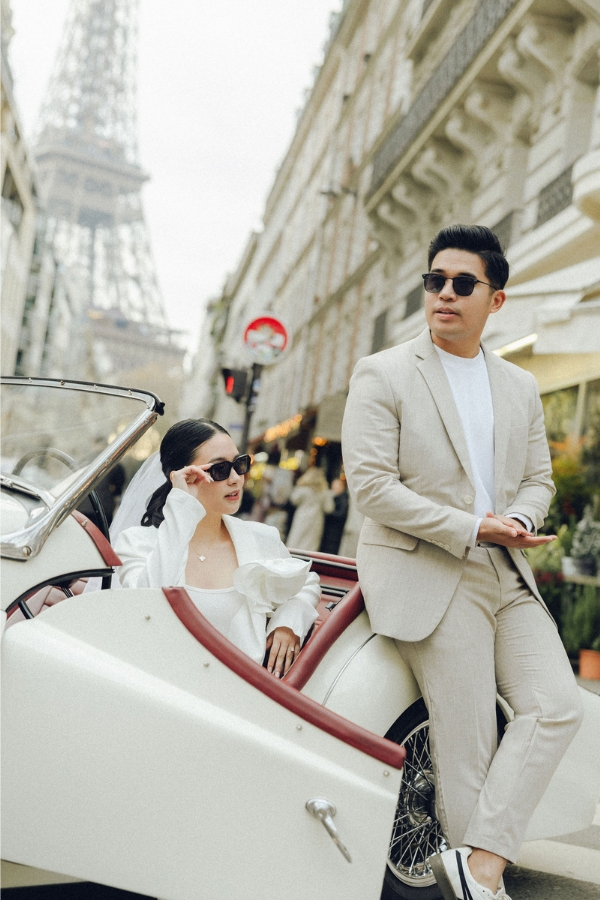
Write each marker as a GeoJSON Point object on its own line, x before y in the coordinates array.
{"type": "Point", "coordinates": [236, 572]}
{"type": "Point", "coordinates": [312, 499]}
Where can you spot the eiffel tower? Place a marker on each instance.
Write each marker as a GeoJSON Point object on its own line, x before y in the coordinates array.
{"type": "Point", "coordinates": [90, 181]}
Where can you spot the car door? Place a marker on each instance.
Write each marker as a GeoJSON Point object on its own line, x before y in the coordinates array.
{"type": "Point", "coordinates": [143, 751]}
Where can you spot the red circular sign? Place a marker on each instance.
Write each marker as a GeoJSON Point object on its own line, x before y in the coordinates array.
{"type": "Point", "coordinates": [266, 340]}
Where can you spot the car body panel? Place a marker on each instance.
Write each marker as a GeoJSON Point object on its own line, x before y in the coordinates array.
{"type": "Point", "coordinates": [127, 760]}
{"type": "Point", "coordinates": [67, 549]}
{"type": "Point", "coordinates": [392, 687]}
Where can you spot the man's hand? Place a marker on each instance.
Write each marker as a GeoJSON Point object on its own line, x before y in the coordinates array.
{"type": "Point", "coordinates": [509, 533]}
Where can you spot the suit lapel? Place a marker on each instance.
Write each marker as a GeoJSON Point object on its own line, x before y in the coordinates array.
{"type": "Point", "coordinates": [433, 372]}
{"type": "Point", "coordinates": [246, 548]}
{"type": "Point", "coordinates": [501, 403]}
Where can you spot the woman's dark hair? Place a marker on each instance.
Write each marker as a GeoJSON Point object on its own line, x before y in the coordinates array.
{"type": "Point", "coordinates": [476, 239]}
{"type": "Point", "coordinates": [177, 450]}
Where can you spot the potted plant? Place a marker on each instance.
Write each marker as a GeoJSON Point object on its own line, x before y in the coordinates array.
{"type": "Point", "coordinates": [581, 629]}
{"type": "Point", "coordinates": [586, 544]}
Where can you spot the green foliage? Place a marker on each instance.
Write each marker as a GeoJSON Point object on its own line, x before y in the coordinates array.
{"type": "Point", "coordinates": [581, 619]}
{"type": "Point", "coordinates": [586, 540]}
{"type": "Point", "coordinates": [548, 557]}
{"type": "Point", "coordinates": [573, 492]}
{"type": "Point", "coordinates": [590, 455]}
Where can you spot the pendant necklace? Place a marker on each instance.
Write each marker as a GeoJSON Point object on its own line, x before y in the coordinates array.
{"type": "Point", "coordinates": [202, 556]}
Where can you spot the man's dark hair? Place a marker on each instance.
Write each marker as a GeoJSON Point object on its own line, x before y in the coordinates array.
{"type": "Point", "coordinates": [475, 239]}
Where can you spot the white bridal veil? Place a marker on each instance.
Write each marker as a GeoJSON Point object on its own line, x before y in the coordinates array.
{"type": "Point", "coordinates": [146, 480]}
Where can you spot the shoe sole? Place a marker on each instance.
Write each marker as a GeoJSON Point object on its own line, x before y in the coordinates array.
{"type": "Point", "coordinates": [441, 877]}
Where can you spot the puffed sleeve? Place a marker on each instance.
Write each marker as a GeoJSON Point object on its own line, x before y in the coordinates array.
{"type": "Point", "coordinates": [156, 557]}
{"type": "Point", "coordinates": [299, 612]}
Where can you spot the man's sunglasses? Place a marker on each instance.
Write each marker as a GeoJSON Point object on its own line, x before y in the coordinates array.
{"type": "Point", "coordinates": [222, 470]}
{"type": "Point", "coordinates": [463, 285]}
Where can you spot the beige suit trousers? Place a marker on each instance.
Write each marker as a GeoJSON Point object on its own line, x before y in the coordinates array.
{"type": "Point", "coordinates": [494, 637]}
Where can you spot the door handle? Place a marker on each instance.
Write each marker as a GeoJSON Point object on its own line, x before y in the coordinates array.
{"type": "Point", "coordinates": [324, 810]}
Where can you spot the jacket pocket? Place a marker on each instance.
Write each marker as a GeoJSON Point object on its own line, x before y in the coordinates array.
{"type": "Point", "coordinates": [387, 537]}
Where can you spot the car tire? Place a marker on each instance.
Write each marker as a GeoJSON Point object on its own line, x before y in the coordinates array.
{"type": "Point", "coordinates": [408, 875]}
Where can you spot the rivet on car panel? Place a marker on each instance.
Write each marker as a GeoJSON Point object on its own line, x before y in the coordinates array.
{"type": "Point", "coordinates": [298, 727]}
{"type": "Point", "coordinates": [26, 551]}
{"type": "Point", "coordinates": [147, 618]}
{"type": "Point", "coordinates": [206, 665]}
{"type": "Point", "coordinates": [385, 773]}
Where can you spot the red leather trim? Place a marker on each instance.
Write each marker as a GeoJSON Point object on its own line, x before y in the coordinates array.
{"type": "Point", "coordinates": [106, 551]}
{"type": "Point", "coordinates": [345, 612]}
{"type": "Point", "coordinates": [326, 564]}
{"type": "Point", "coordinates": [379, 748]}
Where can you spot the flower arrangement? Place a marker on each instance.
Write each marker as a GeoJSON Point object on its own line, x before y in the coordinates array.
{"type": "Point", "coordinates": [586, 543]}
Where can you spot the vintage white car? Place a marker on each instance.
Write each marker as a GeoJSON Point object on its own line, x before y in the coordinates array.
{"type": "Point", "coordinates": [142, 750]}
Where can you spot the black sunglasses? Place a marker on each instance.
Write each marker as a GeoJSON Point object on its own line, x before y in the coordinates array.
{"type": "Point", "coordinates": [463, 285]}
{"type": "Point", "coordinates": [222, 470]}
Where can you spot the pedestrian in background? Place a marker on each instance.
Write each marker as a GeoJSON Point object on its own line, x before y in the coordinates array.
{"type": "Point", "coordinates": [335, 521]}
{"type": "Point", "coordinates": [312, 499]}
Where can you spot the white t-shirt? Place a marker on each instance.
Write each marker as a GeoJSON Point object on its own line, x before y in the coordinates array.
{"type": "Point", "coordinates": [470, 387]}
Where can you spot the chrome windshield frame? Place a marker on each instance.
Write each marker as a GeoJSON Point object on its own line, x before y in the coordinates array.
{"type": "Point", "coordinates": [27, 541]}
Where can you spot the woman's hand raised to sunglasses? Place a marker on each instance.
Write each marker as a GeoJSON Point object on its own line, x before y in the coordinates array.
{"type": "Point", "coordinates": [190, 478]}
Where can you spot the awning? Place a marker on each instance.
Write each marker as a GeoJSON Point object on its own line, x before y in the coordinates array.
{"type": "Point", "coordinates": [551, 326]}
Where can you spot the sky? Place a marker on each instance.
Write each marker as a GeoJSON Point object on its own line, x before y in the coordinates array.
{"type": "Point", "coordinates": [219, 84]}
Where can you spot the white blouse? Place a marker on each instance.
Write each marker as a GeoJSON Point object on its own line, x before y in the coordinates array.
{"type": "Point", "coordinates": [268, 584]}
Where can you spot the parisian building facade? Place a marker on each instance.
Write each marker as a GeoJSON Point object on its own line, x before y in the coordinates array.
{"type": "Point", "coordinates": [18, 208]}
{"type": "Point", "coordinates": [424, 113]}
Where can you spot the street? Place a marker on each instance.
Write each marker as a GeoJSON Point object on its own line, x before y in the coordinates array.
{"type": "Point", "coordinates": [524, 884]}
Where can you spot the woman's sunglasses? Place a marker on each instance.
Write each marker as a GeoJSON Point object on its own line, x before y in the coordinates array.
{"type": "Point", "coordinates": [463, 285]}
{"type": "Point", "coordinates": [222, 470]}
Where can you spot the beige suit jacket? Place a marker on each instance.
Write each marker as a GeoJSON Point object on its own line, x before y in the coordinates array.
{"type": "Point", "coordinates": [409, 473]}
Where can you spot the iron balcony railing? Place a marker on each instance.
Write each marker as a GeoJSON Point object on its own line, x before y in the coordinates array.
{"type": "Point", "coordinates": [468, 45]}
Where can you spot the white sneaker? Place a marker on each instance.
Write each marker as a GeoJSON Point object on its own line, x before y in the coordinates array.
{"type": "Point", "coordinates": [454, 878]}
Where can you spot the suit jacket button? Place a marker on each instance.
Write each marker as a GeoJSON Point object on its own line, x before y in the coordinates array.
{"type": "Point", "coordinates": [468, 499]}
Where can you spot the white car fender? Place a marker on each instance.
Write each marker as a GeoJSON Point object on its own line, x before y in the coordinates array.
{"type": "Point", "coordinates": [364, 678]}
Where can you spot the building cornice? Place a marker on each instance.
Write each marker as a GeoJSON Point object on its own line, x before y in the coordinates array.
{"type": "Point", "coordinates": [487, 29]}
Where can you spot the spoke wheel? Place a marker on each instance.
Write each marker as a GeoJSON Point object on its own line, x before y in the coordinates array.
{"type": "Point", "coordinates": [416, 834]}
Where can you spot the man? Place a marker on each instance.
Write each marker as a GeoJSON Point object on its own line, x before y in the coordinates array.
{"type": "Point", "coordinates": [446, 456]}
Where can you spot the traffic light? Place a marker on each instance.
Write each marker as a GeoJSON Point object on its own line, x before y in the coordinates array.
{"type": "Point", "coordinates": [236, 381]}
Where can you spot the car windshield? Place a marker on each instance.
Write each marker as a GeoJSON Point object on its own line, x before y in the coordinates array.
{"type": "Point", "coordinates": [50, 432]}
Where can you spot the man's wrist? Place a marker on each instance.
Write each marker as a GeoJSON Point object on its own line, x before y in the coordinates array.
{"type": "Point", "coordinates": [524, 520]}
{"type": "Point", "coordinates": [473, 539]}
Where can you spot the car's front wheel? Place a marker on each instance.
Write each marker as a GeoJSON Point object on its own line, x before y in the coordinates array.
{"type": "Point", "coordinates": [416, 834]}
